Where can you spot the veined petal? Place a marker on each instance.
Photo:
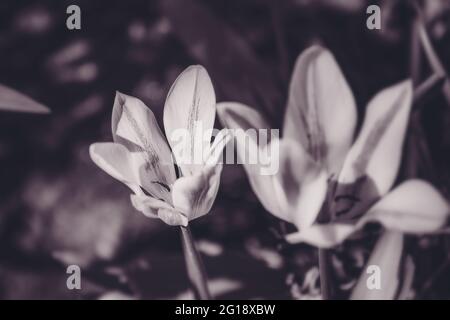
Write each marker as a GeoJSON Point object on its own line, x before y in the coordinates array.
{"type": "Point", "coordinates": [154, 208]}
{"type": "Point", "coordinates": [194, 195]}
{"type": "Point", "coordinates": [135, 126]}
{"type": "Point", "coordinates": [321, 110]}
{"type": "Point", "coordinates": [300, 183]}
{"type": "Point", "coordinates": [386, 258]}
{"type": "Point", "coordinates": [246, 123]}
{"type": "Point", "coordinates": [375, 156]}
{"type": "Point", "coordinates": [115, 160]}
{"type": "Point", "coordinates": [413, 207]}
{"type": "Point", "coordinates": [189, 114]}
{"type": "Point", "coordinates": [149, 206]}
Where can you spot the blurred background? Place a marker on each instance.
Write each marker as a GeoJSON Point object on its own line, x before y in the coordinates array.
{"type": "Point", "coordinates": [57, 208]}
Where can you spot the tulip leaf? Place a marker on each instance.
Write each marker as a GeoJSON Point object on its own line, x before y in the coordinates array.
{"type": "Point", "coordinates": [12, 100]}
{"type": "Point", "coordinates": [380, 278]}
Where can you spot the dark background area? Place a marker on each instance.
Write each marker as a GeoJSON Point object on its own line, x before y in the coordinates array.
{"type": "Point", "coordinates": [57, 208]}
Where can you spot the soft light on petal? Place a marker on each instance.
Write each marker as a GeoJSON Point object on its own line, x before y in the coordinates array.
{"type": "Point", "coordinates": [386, 258]}
{"type": "Point", "coordinates": [189, 114]}
{"type": "Point", "coordinates": [375, 156]}
{"type": "Point", "coordinates": [149, 206]}
{"type": "Point", "coordinates": [154, 208]}
{"type": "Point", "coordinates": [172, 217]}
{"type": "Point", "coordinates": [115, 160]}
{"type": "Point", "coordinates": [321, 111]}
{"type": "Point", "coordinates": [194, 195]}
{"type": "Point", "coordinates": [322, 235]}
{"type": "Point", "coordinates": [300, 183]}
{"type": "Point", "coordinates": [413, 207]}
{"type": "Point", "coordinates": [246, 123]}
{"type": "Point", "coordinates": [135, 126]}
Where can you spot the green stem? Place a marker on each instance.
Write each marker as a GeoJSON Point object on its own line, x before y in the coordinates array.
{"type": "Point", "coordinates": [195, 269]}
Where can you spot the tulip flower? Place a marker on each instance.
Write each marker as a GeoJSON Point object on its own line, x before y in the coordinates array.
{"type": "Point", "coordinates": [318, 145]}
{"type": "Point", "coordinates": [176, 181]}
{"type": "Point", "coordinates": [141, 158]}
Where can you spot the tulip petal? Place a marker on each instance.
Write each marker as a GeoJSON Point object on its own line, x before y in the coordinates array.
{"type": "Point", "coordinates": [321, 110]}
{"type": "Point", "coordinates": [194, 195]}
{"type": "Point", "coordinates": [375, 157]}
{"type": "Point", "coordinates": [323, 235]}
{"type": "Point", "coordinates": [154, 208]}
{"type": "Point", "coordinates": [115, 160]}
{"type": "Point", "coordinates": [135, 126]}
{"type": "Point", "coordinates": [189, 114]}
{"type": "Point", "coordinates": [149, 206]}
{"type": "Point", "coordinates": [246, 122]}
{"type": "Point", "coordinates": [414, 207]}
{"type": "Point", "coordinates": [172, 217]}
{"type": "Point", "coordinates": [235, 115]}
{"type": "Point", "coordinates": [300, 183]}
{"type": "Point", "coordinates": [386, 258]}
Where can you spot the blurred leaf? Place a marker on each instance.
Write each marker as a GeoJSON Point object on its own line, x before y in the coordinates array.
{"type": "Point", "coordinates": [407, 291]}
{"type": "Point", "coordinates": [11, 100]}
{"type": "Point", "coordinates": [387, 257]}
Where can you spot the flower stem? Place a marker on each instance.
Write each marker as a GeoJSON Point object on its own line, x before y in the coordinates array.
{"type": "Point", "coordinates": [195, 269]}
{"type": "Point", "coordinates": [324, 271]}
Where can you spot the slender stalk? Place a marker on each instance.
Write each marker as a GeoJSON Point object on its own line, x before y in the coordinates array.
{"type": "Point", "coordinates": [325, 284]}
{"type": "Point", "coordinates": [195, 269]}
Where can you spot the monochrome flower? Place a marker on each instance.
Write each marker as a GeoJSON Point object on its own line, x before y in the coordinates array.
{"type": "Point", "coordinates": [141, 158]}
{"type": "Point", "coordinates": [317, 145]}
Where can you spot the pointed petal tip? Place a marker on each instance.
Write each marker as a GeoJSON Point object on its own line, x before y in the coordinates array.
{"type": "Point", "coordinates": [93, 151]}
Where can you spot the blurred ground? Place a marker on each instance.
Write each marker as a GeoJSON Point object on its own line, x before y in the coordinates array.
{"type": "Point", "coordinates": [57, 208]}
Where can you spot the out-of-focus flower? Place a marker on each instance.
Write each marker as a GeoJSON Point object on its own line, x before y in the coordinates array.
{"type": "Point", "coordinates": [141, 158]}
{"type": "Point", "coordinates": [317, 143]}
{"type": "Point", "coordinates": [321, 119]}
{"type": "Point", "coordinates": [299, 185]}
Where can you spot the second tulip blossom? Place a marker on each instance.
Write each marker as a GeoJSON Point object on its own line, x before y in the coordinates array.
{"type": "Point", "coordinates": [324, 170]}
